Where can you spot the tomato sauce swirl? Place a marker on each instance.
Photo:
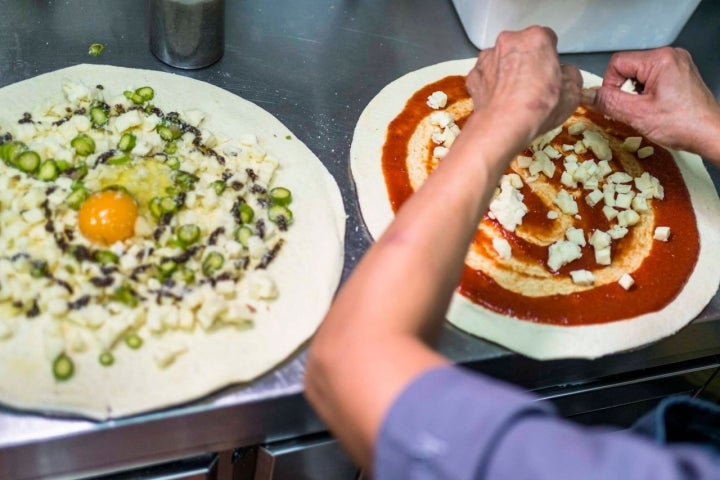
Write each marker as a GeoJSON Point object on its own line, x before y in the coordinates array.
{"type": "Point", "coordinates": [658, 280]}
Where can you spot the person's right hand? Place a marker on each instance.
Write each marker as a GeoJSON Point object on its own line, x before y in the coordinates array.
{"type": "Point", "coordinates": [675, 108]}
{"type": "Point", "coordinates": [521, 80]}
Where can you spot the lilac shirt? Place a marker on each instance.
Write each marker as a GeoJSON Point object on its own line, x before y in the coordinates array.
{"type": "Point", "coordinates": [451, 424]}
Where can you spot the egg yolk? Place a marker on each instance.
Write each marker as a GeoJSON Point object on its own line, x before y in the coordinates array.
{"type": "Point", "coordinates": [107, 217]}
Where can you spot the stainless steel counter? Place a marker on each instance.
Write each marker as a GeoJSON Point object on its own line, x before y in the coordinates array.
{"type": "Point", "coordinates": [314, 64]}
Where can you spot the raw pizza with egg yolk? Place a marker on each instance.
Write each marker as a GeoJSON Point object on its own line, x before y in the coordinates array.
{"type": "Point", "coordinates": [157, 234]}
{"type": "Point", "coordinates": [597, 240]}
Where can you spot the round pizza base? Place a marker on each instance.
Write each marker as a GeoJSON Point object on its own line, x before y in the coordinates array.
{"type": "Point", "coordinates": [307, 271]}
{"type": "Point", "coordinates": [537, 340]}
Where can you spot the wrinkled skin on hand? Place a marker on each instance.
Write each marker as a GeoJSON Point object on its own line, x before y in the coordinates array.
{"type": "Point", "coordinates": [522, 74]}
{"type": "Point", "coordinates": [675, 108]}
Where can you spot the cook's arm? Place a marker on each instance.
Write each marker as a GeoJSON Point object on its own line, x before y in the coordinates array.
{"type": "Point", "coordinates": [373, 341]}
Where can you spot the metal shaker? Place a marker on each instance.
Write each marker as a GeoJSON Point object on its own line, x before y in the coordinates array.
{"type": "Point", "coordinates": [187, 33]}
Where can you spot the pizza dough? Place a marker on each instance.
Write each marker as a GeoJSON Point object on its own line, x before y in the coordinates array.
{"type": "Point", "coordinates": [307, 271]}
{"type": "Point", "coordinates": [536, 340]}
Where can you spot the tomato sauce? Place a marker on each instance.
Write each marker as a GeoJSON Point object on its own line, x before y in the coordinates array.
{"type": "Point", "coordinates": [658, 280]}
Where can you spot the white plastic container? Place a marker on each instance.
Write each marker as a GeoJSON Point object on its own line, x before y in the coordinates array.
{"type": "Point", "coordinates": [581, 25]}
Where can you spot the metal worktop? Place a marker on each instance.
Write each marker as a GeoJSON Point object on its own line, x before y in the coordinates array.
{"type": "Point", "coordinates": [314, 64]}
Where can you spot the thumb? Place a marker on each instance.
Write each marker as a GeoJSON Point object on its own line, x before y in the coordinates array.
{"type": "Point", "coordinates": [611, 101]}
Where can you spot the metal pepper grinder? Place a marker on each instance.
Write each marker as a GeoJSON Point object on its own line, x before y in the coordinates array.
{"type": "Point", "coordinates": [187, 34]}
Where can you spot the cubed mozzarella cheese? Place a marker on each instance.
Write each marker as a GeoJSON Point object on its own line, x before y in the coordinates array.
{"type": "Point", "coordinates": [440, 152]}
{"type": "Point", "coordinates": [567, 180]}
{"type": "Point", "coordinates": [561, 253]}
{"type": "Point", "coordinates": [603, 256]}
{"type": "Point", "coordinates": [576, 235]}
{"type": "Point", "coordinates": [515, 180]}
{"type": "Point", "coordinates": [626, 281]}
{"type": "Point", "coordinates": [128, 120]}
{"type": "Point", "coordinates": [645, 152]}
{"type": "Point", "coordinates": [437, 100]}
{"type": "Point", "coordinates": [624, 200]}
{"type": "Point", "coordinates": [598, 144]}
{"type": "Point", "coordinates": [566, 203]}
{"type": "Point", "coordinates": [524, 161]}
{"type": "Point", "coordinates": [591, 184]}
{"type": "Point", "coordinates": [628, 218]}
{"type": "Point", "coordinates": [441, 119]}
{"type": "Point", "coordinates": [609, 212]}
{"type": "Point", "coordinates": [583, 278]}
{"type": "Point", "coordinates": [631, 144]}
{"type": "Point", "coordinates": [609, 194]}
{"type": "Point", "coordinates": [502, 248]}
{"type": "Point", "coordinates": [576, 128]}
{"type": "Point", "coordinates": [662, 234]}
{"type": "Point", "coordinates": [604, 168]}
{"type": "Point", "coordinates": [75, 91]}
{"type": "Point", "coordinates": [545, 139]}
{"type": "Point", "coordinates": [438, 137]}
{"type": "Point", "coordinates": [619, 177]}
{"type": "Point", "coordinates": [594, 197]}
{"type": "Point", "coordinates": [640, 205]}
{"type": "Point", "coordinates": [623, 188]}
{"type": "Point", "coordinates": [507, 206]}
{"type": "Point", "coordinates": [600, 239]}
{"type": "Point", "coordinates": [551, 152]}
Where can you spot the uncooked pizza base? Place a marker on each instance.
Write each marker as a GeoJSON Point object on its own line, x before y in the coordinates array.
{"type": "Point", "coordinates": [307, 271]}
{"type": "Point", "coordinates": [537, 340]}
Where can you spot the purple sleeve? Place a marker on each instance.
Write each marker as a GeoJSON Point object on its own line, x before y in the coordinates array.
{"type": "Point", "coordinates": [452, 424]}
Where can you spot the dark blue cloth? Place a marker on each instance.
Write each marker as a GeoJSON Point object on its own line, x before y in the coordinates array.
{"type": "Point", "coordinates": [683, 419]}
{"type": "Point", "coordinates": [453, 424]}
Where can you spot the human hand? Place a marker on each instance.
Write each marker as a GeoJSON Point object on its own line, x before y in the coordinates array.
{"type": "Point", "coordinates": [675, 108]}
{"type": "Point", "coordinates": [521, 80]}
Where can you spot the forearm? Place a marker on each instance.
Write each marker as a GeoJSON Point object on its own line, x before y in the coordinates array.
{"type": "Point", "coordinates": [397, 296]}
{"type": "Point", "coordinates": [373, 340]}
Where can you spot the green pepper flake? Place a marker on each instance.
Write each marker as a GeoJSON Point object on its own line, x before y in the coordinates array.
{"type": "Point", "coordinates": [133, 340]}
{"type": "Point", "coordinates": [106, 359]}
{"type": "Point", "coordinates": [280, 215]}
{"type": "Point", "coordinates": [76, 198]}
{"type": "Point", "coordinates": [212, 263]}
{"type": "Point", "coordinates": [288, 137]}
{"type": "Point", "coordinates": [48, 170]}
{"type": "Point", "coordinates": [126, 295]}
{"type": "Point", "coordinates": [105, 257]}
{"type": "Point", "coordinates": [83, 144]}
{"type": "Point", "coordinates": [218, 186]}
{"type": "Point", "coordinates": [243, 234]}
{"type": "Point", "coordinates": [146, 93]}
{"type": "Point", "coordinates": [63, 367]}
{"type": "Point", "coordinates": [280, 196]}
{"type": "Point", "coordinates": [188, 234]}
{"type": "Point", "coordinates": [96, 49]}
{"type": "Point", "coordinates": [187, 275]}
